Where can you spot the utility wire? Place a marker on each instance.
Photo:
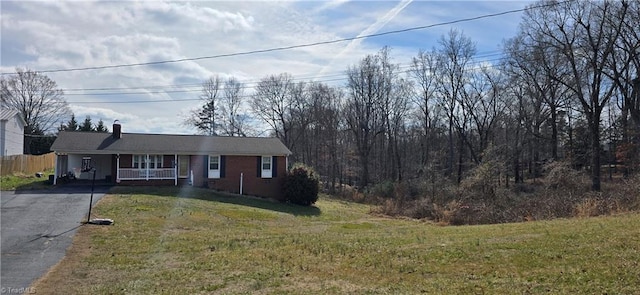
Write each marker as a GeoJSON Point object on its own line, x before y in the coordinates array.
{"type": "Point", "coordinates": [248, 83]}
{"type": "Point", "coordinates": [196, 87]}
{"type": "Point", "coordinates": [301, 45]}
{"type": "Point", "coordinates": [404, 69]}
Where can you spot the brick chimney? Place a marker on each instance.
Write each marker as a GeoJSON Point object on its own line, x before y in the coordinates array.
{"type": "Point", "coordinates": [117, 130]}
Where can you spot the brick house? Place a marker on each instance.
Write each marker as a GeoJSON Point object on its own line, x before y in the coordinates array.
{"type": "Point", "coordinates": [243, 165]}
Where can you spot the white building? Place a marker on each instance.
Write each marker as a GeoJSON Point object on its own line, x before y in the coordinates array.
{"type": "Point", "coordinates": [11, 132]}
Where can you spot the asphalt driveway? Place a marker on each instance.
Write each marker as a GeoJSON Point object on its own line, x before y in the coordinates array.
{"type": "Point", "coordinates": [37, 227]}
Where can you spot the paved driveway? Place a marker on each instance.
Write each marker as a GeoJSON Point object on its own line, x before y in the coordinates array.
{"type": "Point", "coordinates": [36, 229]}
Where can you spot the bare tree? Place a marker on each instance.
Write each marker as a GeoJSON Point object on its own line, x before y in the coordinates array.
{"type": "Point", "coordinates": [37, 98]}
{"type": "Point", "coordinates": [395, 95]}
{"type": "Point", "coordinates": [363, 109]}
{"type": "Point", "coordinates": [624, 70]}
{"type": "Point", "coordinates": [423, 69]}
{"type": "Point", "coordinates": [584, 34]}
{"type": "Point", "coordinates": [484, 104]}
{"type": "Point", "coordinates": [273, 102]}
{"type": "Point", "coordinates": [533, 67]}
{"type": "Point", "coordinates": [204, 118]}
{"type": "Point", "coordinates": [301, 115]}
{"type": "Point", "coordinates": [454, 56]}
{"type": "Point", "coordinates": [399, 107]}
{"type": "Point", "coordinates": [233, 121]}
{"type": "Point", "coordinates": [323, 149]}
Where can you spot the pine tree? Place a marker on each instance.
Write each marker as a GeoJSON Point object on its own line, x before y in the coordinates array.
{"type": "Point", "coordinates": [87, 125]}
{"type": "Point", "coordinates": [100, 127]}
{"type": "Point", "coordinates": [72, 125]}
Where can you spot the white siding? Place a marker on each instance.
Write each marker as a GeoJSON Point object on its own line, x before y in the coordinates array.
{"type": "Point", "coordinates": [102, 163]}
{"type": "Point", "coordinates": [11, 136]}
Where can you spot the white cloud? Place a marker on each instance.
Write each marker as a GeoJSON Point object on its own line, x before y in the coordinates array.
{"type": "Point", "coordinates": [328, 5]}
{"type": "Point", "coordinates": [78, 34]}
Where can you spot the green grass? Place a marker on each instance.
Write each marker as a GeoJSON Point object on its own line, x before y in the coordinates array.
{"type": "Point", "coordinates": [24, 182]}
{"type": "Point", "coordinates": [202, 243]}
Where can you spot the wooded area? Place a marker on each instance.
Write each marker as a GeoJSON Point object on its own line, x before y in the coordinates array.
{"type": "Point", "coordinates": [460, 140]}
{"type": "Point", "coordinates": [566, 90]}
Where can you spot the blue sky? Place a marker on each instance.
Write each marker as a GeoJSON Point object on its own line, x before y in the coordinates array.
{"type": "Point", "coordinates": [53, 35]}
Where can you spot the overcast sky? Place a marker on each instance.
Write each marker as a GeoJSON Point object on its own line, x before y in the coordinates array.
{"type": "Point", "coordinates": [61, 35]}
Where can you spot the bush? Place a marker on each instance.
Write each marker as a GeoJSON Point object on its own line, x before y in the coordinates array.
{"type": "Point", "coordinates": [301, 186]}
{"type": "Point", "coordinates": [560, 176]}
{"type": "Point", "coordinates": [383, 190]}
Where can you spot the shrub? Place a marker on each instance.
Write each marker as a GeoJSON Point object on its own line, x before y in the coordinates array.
{"type": "Point", "coordinates": [588, 207]}
{"type": "Point", "coordinates": [383, 190]}
{"type": "Point", "coordinates": [560, 176]}
{"type": "Point", "coordinates": [482, 182]}
{"type": "Point", "coordinates": [301, 186]}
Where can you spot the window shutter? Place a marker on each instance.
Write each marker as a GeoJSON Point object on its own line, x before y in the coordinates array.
{"type": "Point", "coordinates": [259, 166]}
{"type": "Point", "coordinates": [222, 166]}
{"type": "Point", "coordinates": [274, 166]}
{"type": "Point", "coordinates": [205, 164]}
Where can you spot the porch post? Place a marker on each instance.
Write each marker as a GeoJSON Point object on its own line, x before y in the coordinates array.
{"type": "Point", "coordinates": [146, 161]}
{"type": "Point", "coordinates": [117, 168]}
{"type": "Point", "coordinates": [175, 169]}
{"type": "Point", "coordinates": [55, 171]}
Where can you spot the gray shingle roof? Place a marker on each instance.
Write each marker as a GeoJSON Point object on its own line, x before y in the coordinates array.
{"type": "Point", "coordinates": [138, 143]}
{"type": "Point", "coordinates": [6, 114]}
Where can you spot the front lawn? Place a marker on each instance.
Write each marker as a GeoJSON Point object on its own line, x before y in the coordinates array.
{"type": "Point", "coordinates": [20, 181]}
{"type": "Point", "coordinates": [192, 241]}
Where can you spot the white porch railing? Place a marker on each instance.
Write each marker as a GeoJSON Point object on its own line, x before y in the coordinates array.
{"type": "Point", "coordinates": [146, 174]}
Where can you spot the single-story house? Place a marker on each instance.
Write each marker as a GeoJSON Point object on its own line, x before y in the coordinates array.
{"type": "Point", "coordinates": [11, 132]}
{"type": "Point", "coordinates": [244, 165]}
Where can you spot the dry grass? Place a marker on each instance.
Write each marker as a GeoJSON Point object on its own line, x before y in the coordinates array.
{"type": "Point", "coordinates": [201, 243]}
{"type": "Point", "coordinates": [480, 199]}
{"type": "Point", "coordinates": [21, 181]}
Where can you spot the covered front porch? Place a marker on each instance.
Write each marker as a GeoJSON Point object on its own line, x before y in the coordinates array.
{"type": "Point", "coordinates": [83, 167]}
{"type": "Point", "coordinates": [123, 168]}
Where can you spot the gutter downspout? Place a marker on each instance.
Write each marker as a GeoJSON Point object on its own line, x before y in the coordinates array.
{"type": "Point", "coordinates": [147, 166]}
{"type": "Point", "coordinates": [55, 171]}
{"type": "Point", "coordinates": [175, 169]}
{"type": "Point", "coordinates": [117, 168]}
{"type": "Point", "coordinates": [241, 181]}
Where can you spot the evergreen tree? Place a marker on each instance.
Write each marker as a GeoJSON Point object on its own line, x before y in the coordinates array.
{"type": "Point", "coordinates": [87, 125]}
{"type": "Point", "coordinates": [72, 125]}
{"type": "Point", "coordinates": [100, 127]}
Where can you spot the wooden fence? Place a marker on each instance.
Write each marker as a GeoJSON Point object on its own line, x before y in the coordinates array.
{"type": "Point", "coordinates": [26, 164]}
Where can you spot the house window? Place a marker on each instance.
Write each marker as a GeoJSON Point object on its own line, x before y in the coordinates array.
{"type": "Point", "coordinates": [266, 167]}
{"type": "Point", "coordinates": [140, 161]}
{"type": "Point", "coordinates": [155, 161]}
{"type": "Point", "coordinates": [214, 166]}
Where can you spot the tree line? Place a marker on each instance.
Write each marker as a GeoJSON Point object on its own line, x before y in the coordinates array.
{"type": "Point", "coordinates": [86, 126]}
{"type": "Point", "coordinates": [566, 89]}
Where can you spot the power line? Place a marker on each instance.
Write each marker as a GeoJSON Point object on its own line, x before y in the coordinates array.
{"type": "Point", "coordinates": [135, 101]}
{"type": "Point", "coordinates": [188, 85]}
{"type": "Point", "coordinates": [283, 48]}
{"type": "Point", "coordinates": [198, 90]}
{"type": "Point", "coordinates": [197, 87]}
{"type": "Point", "coordinates": [404, 69]}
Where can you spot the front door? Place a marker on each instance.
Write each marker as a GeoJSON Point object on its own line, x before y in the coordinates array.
{"type": "Point", "coordinates": [183, 166]}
